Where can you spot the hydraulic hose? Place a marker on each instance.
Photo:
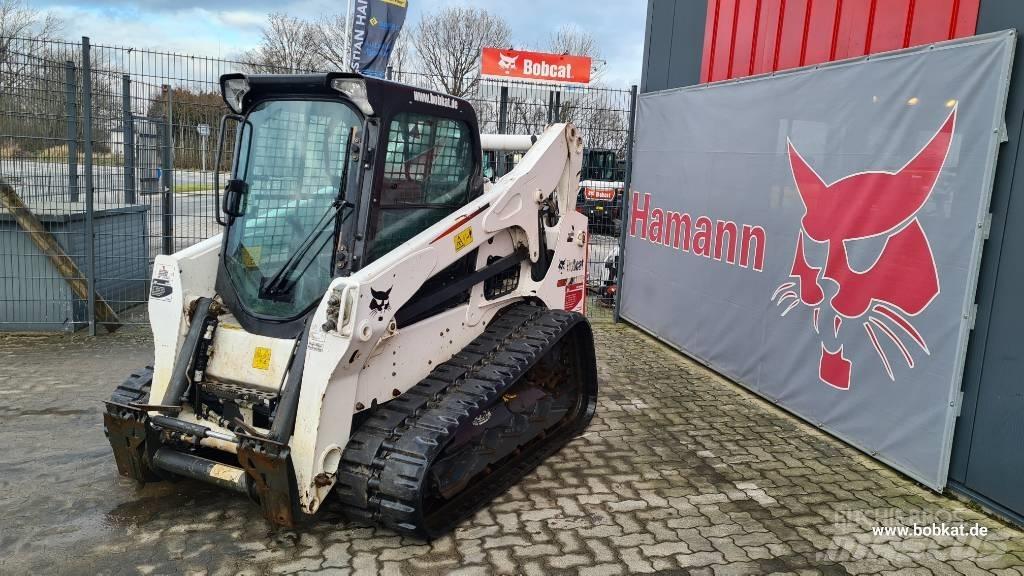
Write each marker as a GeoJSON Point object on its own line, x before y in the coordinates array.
{"type": "Point", "coordinates": [179, 377]}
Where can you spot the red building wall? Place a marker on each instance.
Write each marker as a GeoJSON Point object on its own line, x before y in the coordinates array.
{"type": "Point", "coordinates": [746, 37]}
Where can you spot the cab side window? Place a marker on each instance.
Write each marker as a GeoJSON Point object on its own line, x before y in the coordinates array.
{"type": "Point", "coordinates": [428, 168]}
{"type": "Point", "coordinates": [428, 162]}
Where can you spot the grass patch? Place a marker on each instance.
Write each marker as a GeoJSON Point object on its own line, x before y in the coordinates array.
{"type": "Point", "coordinates": [59, 154]}
{"type": "Point", "coordinates": [192, 188]}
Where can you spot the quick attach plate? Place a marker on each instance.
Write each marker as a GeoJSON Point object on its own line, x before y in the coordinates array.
{"type": "Point", "coordinates": [126, 430]}
{"type": "Point", "coordinates": [268, 464]}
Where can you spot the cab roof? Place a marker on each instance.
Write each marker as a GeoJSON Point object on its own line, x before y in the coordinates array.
{"type": "Point", "coordinates": [382, 95]}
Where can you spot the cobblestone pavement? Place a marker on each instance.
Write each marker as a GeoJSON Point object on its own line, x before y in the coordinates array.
{"type": "Point", "coordinates": [680, 472]}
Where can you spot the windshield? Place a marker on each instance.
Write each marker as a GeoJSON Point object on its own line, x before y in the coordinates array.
{"type": "Point", "coordinates": [291, 157]}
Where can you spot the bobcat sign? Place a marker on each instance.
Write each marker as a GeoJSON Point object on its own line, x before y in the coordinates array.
{"type": "Point", "coordinates": [499, 64]}
{"type": "Point", "coordinates": [822, 246]}
{"type": "Point", "coordinates": [903, 279]}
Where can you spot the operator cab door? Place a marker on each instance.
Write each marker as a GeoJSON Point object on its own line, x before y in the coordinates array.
{"type": "Point", "coordinates": [426, 168]}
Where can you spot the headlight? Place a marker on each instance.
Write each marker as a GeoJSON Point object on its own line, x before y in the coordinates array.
{"type": "Point", "coordinates": [234, 90]}
{"type": "Point", "coordinates": [355, 90]}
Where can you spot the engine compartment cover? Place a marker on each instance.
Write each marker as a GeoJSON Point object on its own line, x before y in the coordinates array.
{"type": "Point", "coordinates": [247, 359]}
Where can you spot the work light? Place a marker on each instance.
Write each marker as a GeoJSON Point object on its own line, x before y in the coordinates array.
{"type": "Point", "coordinates": [355, 89]}
{"type": "Point", "coordinates": [234, 90]}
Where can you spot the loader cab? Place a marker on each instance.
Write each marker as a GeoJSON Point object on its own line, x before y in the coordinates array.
{"type": "Point", "coordinates": [329, 172]}
{"type": "Point", "coordinates": [602, 165]}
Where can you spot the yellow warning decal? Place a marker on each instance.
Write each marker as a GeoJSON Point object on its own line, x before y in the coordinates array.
{"type": "Point", "coordinates": [251, 256]}
{"type": "Point", "coordinates": [464, 238]}
{"type": "Point", "coordinates": [261, 358]}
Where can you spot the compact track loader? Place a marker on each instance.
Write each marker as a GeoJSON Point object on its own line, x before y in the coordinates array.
{"type": "Point", "coordinates": [377, 323]}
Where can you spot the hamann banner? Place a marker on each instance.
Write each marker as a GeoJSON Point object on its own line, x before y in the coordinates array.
{"type": "Point", "coordinates": [816, 236]}
{"type": "Point", "coordinates": [375, 28]}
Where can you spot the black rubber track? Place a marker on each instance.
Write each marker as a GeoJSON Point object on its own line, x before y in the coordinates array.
{"type": "Point", "coordinates": [135, 389]}
{"type": "Point", "coordinates": [384, 473]}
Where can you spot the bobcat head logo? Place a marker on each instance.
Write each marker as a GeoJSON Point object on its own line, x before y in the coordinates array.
{"type": "Point", "coordinates": [901, 282]}
{"type": "Point", "coordinates": [380, 299]}
{"type": "Point", "coordinates": [507, 63]}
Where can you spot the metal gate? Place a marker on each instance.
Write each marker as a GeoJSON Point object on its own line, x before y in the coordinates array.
{"type": "Point", "coordinates": [147, 154]}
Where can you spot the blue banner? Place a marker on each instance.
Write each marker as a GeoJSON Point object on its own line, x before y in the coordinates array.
{"type": "Point", "coordinates": [375, 28]}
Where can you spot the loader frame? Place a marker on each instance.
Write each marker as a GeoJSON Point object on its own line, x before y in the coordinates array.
{"type": "Point", "coordinates": [355, 352]}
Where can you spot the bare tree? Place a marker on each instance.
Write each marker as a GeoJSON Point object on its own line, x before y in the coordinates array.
{"type": "Point", "coordinates": [526, 115]}
{"type": "Point", "coordinates": [605, 127]}
{"type": "Point", "coordinates": [570, 39]}
{"type": "Point", "coordinates": [403, 55]}
{"type": "Point", "coordinates": [289, 44]}
{"type": "Point", "coordinates": [189, 109]}
{"type": "Point", "coordinates": [19, 20]}
{"type": "Point", "coordinates": [448, 44]}
{"type": "Point", "coordinates": [331, 41]}
{"type": "Point", "coordinates": [31, 79]}
{"type": "Point", "coordinates": [24, 33]}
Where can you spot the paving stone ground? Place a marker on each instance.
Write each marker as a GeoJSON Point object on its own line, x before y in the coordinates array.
{"type": "Point", "coordinates": [681, 472]}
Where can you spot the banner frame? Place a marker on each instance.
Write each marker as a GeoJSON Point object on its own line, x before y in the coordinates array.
{"type": "Point", "coordinates": [968, 307]}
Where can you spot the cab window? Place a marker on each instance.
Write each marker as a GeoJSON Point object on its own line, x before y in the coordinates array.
{"type": "Point", "coordinates": [428, 167]}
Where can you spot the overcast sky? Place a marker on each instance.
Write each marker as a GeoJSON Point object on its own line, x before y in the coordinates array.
{"type": "Point", "coordinates": [224, 28]}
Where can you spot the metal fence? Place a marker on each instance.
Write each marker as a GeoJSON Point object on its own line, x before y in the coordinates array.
{"type": "Point", "coordinates": [117, 145]}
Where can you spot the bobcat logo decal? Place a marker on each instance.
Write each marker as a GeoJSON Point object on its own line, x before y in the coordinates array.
{"type": "Point", "coordinates": [380, 300]}
{"type": "Point", "coordinates": [507, 63]}
{"type": "Point", "coordinates": [901, 282]}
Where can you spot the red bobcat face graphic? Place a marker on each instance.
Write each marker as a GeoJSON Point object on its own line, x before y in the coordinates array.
{"type": "Point", "coordinates": [901, 283]}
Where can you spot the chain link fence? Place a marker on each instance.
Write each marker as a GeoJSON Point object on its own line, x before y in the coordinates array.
{"type": "Point", "coordinates": [118, 145]}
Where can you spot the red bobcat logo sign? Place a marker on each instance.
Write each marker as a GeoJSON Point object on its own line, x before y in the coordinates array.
{"type": "Point", "coordinates": [900, 284]}
{"type": "Point", "coordinates": [507, 63]}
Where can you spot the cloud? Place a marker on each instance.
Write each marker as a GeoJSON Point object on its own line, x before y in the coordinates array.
{"type": "Point", "coordinates": [157, 6]}
{"type": "Point", "coordinates": [222, 28]}
{"type": "Point", "coordinates": [190, 30]}
{"type": "Point", "coordinates": [241, 18]}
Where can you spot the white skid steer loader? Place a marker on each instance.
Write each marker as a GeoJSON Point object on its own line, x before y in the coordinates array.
{"type": "Point", "coordinates": [372, 322]}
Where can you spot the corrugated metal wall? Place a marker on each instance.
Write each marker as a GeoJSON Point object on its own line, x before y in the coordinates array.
{"type": "Point", "coordinates": [672, 44]}
{"type": "Point", "coordinates": [746, 37]}
{"type": "Point", "coordinates": [988, 445]}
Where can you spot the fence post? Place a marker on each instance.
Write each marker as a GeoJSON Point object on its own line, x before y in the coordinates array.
{"type": "Point", "coordinates": [128, 139]}
{"type": "Point", "coordinates": [167, 176]}
{"type": "Point", "coordinates": [499, 156]}
{"type": "Point", "coordinates": [71, 111]}
{"type": "Point", "coordinates": [90, 234]}
{"type": "Point", "coordinates": [626, 185]}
